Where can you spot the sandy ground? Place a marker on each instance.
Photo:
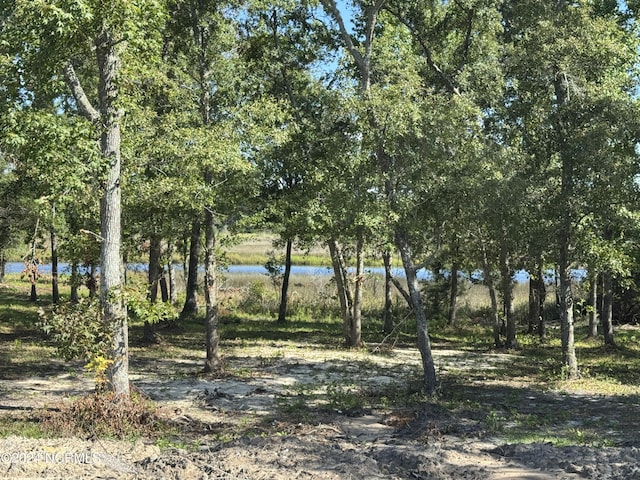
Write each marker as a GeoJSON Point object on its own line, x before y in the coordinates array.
{"type": "Point", "coordinates": [359, 444]}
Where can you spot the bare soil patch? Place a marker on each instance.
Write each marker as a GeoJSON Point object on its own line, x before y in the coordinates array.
{"type": "Point", "coordinates": [285, 411]}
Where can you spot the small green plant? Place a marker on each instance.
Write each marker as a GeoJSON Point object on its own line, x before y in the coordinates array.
{"type": "Point", "coordinates": [494, 421]}
{"type": "Point", "coordinates": [344, 399]}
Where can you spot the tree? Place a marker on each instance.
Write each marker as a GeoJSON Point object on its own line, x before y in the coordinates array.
{"type": "Point", "coordinates": [202, 42]}
{"type": "Point", "coordinates": [566, 82]}
{"type": "Point", "coordinates": [56, 43]}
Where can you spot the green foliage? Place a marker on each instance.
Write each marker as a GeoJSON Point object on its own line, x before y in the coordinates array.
{"type": "Point", "coordinates": [345, 399]}
{"type": "Point", "coordinates": [144, 310]}
{"type": "Point", "coordinates": [77, 330]}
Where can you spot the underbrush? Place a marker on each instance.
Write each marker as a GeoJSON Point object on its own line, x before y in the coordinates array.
{"type": "Point", "coordinates": [103, 415]}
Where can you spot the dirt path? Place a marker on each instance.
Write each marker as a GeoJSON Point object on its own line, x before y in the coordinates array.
{"type": "Point", "coordinates": [324, 431]}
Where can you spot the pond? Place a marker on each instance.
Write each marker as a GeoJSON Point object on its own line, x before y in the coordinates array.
{"type": "Point", "coordinates": [521, 276]}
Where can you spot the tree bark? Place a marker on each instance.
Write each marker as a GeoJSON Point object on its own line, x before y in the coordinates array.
{"type": "Point", "coordinates": [113, 307]}
{"type": "Point", "coordinates": [55, 288]}
{"type": "Point", "coordinates": [453, 294]}
{"type": "Point", "coordinates": [173, 289]}
{"type": "Point", "coordinates": [507, 293]}
{"type": "Point", "coordinates": [284, 292]}
{"type": "Point", "coordinates": [114, 312]}
{"type": "Point", "coordinates": [569, 358]}
{"type": "Point", "coordinates": [560, 87]}
{"type": "Point", "coordinates": [344, 295]}
{"type": "Point", "coordinates": [155, 269]}
{"type": "Point", "coordinates": [542, 297]}
{"type": "Point", "coordinates": [488, 280]}
{"type": "Point", "coordinates": [75, 281]}
{"type": "Point", "coordinates": [593, 302]}
{"type": "Point", "coordinates": [388, 300]}
{"type": "Point", "coordinates": [355, 327]}
{"type": "Point", "coordinates": [191, 302]}
{"type": "Point", "coordinates": [212, 362]}
{"type": "Point", "coordinates": [3, 263]}
{"type": "Point", "coordinates": [424, 345]}
{"type": "Point", "coordinates": [607, 309]}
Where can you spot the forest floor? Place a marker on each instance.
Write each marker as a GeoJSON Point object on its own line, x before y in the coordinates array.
{"type": "Point", "coordinates": [289, 409]}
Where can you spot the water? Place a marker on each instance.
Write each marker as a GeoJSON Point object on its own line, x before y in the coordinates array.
{"type": "Point", "coordinates": [520, 276]}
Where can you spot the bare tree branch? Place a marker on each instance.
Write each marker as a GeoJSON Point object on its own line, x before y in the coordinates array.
{"type": "Point", "coordinates": [332, 9]}
{"type": "Point", "coordinates": [84, 104]}
{"type": "Point", "coordinates": [445, 77]}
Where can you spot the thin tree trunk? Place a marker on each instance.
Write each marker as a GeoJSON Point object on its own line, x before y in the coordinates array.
{"type": "Point", "coordinates": [569, 358]}
{"type": "Point", "coordinates": [488, 280]}
{"type": "Point", "coordinates": [424, 345]}
{"type": "Point", "coordinates": [173, 289]}
{"type": "Point", "coordinates": [55, 289]}
{"type": "Point", "coordinates": [607, 309]}
{"type": "Point", "coordinates": [284, 293]}
{"type": "Point", "coordinates": [191, 301]}
{"type": "Point", "coordinates": [3, 263]}
{"type": "Point", "coordinates": [344, 296]}
{"type": "Point", "coordinates": [212, 362]}
{"type": "Point", "coordinates": [593, 302]}
{"type": "Point", "coordinates": [155, 251]}
{"type": "Point", "coordinates": [388, 300]}
{"type": "Point", "coordinates": [542, 297]}
{"type": "Point", "coordinates": [560, 86]}
{"type": "Point", "coordinates": [355, 327]}
{"type": "Point", "coordinates": [453, 294]}
{"type": "Point", "coordinates": [92, 281]}
{"type": "Point", "coordinates": [533, 312]}
{"type": "Point", "coordinates": [164, 289]}
{"type": "Point", "coordinates": [507, 293]}
{"type": "Point", "coordinates": [32, 266]}
{"type": "Point", "coordinates": [495, 315]}
{"type": "Point", "coordinates": [75, 281]}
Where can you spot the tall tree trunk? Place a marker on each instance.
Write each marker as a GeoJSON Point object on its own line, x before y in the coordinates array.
{"type": "Point", "coordinates": [355, 327]}
{"type": "Point", "coordinates": [488, 280]}
{"type": "Point", "coordinates": [424, 345]}
{"type": "Point", "coordinates": [55, 288]}
{"type": "Point", "coordinates": [542, 297]}
{"type": "Point", "coordinates": [155, 269]}
{"type": "Point", "coordinates": [507, 293]}
{"type": "Point", "coordinates": [560, 86]}
{"type": "Point", "coordinates": [453, 294]}
{"type": "Point", "coordinates": [3, 263]}
{"type": "Point", "coordinates": [532, 313]}
{"type": "Point", "coordinates": [111, 264]}
{"type": "Point", "coordinates": [173, 289]}
{"type": "Point", "coordinates": [212, 362]}
{"type": "Point", "coordinates": [593, 302]}
{"type": "Point", "coordinates": [569, 358]}
{"type": "Point", "coordinates": [607, 309]}
{"type": "Point", "coordinates": [191, 302]}
{"type": "Point", "coordinates": [342, 286]}
{"type": "Point", "coordinates": [114, 312]}
{"type": "Point", "coordinates": [284, 293]}
{"type": "Point", "coordinates": [75, 282]}
{"type": "Point", "coordinates": [388, 300]}
{"type": "Point", "coordinates": [537, 296]}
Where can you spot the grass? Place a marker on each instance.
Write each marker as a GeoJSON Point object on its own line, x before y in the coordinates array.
{"type": "Point", "coordinates": [522, 399]}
